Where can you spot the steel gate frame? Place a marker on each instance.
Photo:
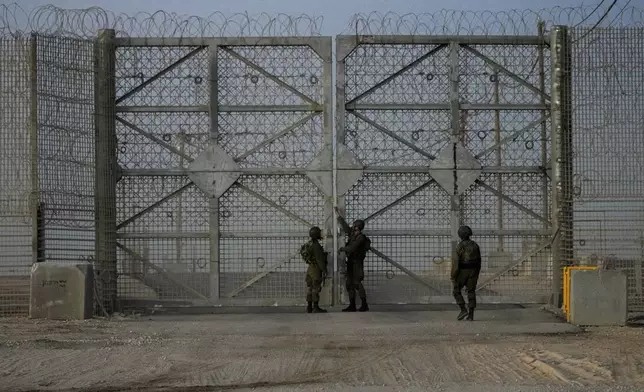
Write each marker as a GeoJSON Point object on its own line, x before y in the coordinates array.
{"type": "Point", "coordinates": [211, 167]}
{"type": "Point", "coordinates": [349, 170]}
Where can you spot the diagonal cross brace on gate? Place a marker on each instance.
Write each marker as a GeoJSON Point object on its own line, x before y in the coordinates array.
{"type": "Point", "coordinates": [159, 74]}
{"type": "Point", "coordinates": [388, 259]}
{"type": "Point", "coordinates": [164, 273]}
{"type": "Point", "coordinates": [398, 201]}
{"type": "Point", "coordinates": [513, 202]}
{"type": "Point", "coordinates": [391, 134]}
{"type": "Point", "coordinates": [521, 260]}
{"type": "Point", "coordinates": [501, 68]}
{"type": "Point", "coordinates": [261, 275]}
{"type": "Point", "coordinates": [269, 75]}
{"type": "Point", "coordinates": [396, 74]}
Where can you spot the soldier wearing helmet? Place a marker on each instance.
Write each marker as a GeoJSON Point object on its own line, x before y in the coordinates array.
{"type": "Point", "coordinates": [356, 250]}
{"type": "Point", "coordinates": [313, 254]}
{"type": "Point", "coordinates": [465, 272]}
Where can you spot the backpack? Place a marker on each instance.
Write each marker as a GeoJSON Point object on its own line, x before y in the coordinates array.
{"type": "Point", "coordinates": [367, 244]}
{"type": "Point", "coordinates": [307, 253]}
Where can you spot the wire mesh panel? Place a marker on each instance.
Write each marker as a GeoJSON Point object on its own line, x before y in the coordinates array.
{"type": "Point", "coordinates": [274, 110]}
{"type": "Point", "coordinates": [214, 143]}
{"type": "Point", "coordinates": [162, 218]}
{"type": "Point", "coordinates": [16, 221]}
{"type": "Point", "coordinates": [608, 185]}
{"type": "Point", "coordinates": [448, 132]}
{"type": "Point", "coordinates": [66, 147]}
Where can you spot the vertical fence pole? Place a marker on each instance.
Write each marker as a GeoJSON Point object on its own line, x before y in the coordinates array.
{"type": "Point", "coordinates": [561, 151]}
{"type": "Point", "coordinates": [214, 200]}
{"type": "Point", "coordinates": [106, 168]}
{"type": "Point", "coordinates": [456, 212]}
{"type": "Point", "coordinates": [330, 224]}
{"type": "Point", "coordinates": [37, 247]}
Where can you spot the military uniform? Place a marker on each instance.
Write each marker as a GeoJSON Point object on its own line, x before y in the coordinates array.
{"type": "Point", "coordinates": [316, 272]}
{"type": "Point", "coordinates": [356, 251]}
{"type": "Point", "coordinates": [465, 272]}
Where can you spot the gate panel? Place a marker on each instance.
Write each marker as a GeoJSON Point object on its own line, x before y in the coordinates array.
{"type": "Point", "coordinates": [162, 218]}
{"type": "Point", "coordinates": [274, 110]}
{"type": "Point", "coordinates": [225, 154]}
{"type": "Point", "coordinates": [448, 131]}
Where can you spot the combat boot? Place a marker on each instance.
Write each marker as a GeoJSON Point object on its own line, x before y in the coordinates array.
{"type": "Point", "coordinates": [317, 309]}
{"type": "Point", "coordinates": [470, 315]}
{"type": "Point", "coordinates": [309, 307]}
{"type": "Point", "coordinates": [364, 307]}
{"type": "Point", "coordinates": [463, 313]}
{"type": "Point", "coordinates": [351, 307]}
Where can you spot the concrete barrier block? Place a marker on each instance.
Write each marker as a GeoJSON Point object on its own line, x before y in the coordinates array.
{"type": "Point", "coordinates": [598, 298]}
{"type": "Point", "coordinates": [61, 292]}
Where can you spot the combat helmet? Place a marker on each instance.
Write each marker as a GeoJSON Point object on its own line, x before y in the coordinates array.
{"type": "Point", "coordinates": [315, 233]}
{"type": "Point", "coordinates": [359, 224]}
{"type": "Point", "coordinates": [464, 232]}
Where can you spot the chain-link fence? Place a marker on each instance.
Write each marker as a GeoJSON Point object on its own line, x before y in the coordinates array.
{"type": "Point", "coordinates": [188, 165]}
{"type": "Point", "coordinates": [607, 186]}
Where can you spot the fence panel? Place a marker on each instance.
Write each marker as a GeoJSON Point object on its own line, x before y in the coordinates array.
{"type": "Point", "coordinates": [608, 184]}
{"type": "Point", "coordinates": [16, 223]}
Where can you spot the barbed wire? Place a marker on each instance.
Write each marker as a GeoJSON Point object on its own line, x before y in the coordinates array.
{"type": "Point", "coordinates": [85, 23]}
{"type": "Point", "coordinates": [512, 22]}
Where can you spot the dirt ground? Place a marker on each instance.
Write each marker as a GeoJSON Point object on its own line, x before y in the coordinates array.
{"type": "Point", "coordinates": [504, 350]}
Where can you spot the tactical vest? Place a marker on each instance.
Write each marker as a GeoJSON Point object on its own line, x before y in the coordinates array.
{"type": "Point", "coordinates": [306, 251]}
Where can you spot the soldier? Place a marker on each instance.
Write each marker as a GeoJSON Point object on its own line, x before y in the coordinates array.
{"type": "Point", "coordinates": [314, 256]}
{"type": "Point", "coordinates": [465, 272]}
{"type": "Point", "coordinates": [356, 251]}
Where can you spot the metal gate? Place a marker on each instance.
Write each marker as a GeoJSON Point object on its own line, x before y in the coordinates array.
{"type": "Point", "coordinates": [225, 161]}
{"type": "Point", "coordinates": [434, 132]}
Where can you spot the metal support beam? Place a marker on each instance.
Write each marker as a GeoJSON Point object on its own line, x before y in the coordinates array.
{"type": "Point", "coordinates": [153, 206]}
{"type": "Point", "coordinates": [273, 171]}
{"type": "Point", "coordinates": [513, 202]}
{"type": "Point", "coordinates": [504, 40]}
{"type": "Point", "coordinates": [213, 202]}
{"type": "Point", "coordinates": [405, 270]}
{"type": "Point", "coordinates": [314, 107]}
{"type": "Point", "coordinates": [393, 135]}
{"type": "Point", "coordinates": [330, 224]}
{"type": "Point", "coordinates": [544, 132]}
{"type": "Point", "coordinates": [274, 205]}
{"type": "Point", "coordinates": [398, 201]}
{"type": "Point", "coordinates": [513, 136]}
{"type": "Point", "coordinates": [512, 75]}
{"type": "Point", "coordinates": [261, 275]}
{"type": "Point", "coordinates": [302, 235]}
{"type": "Point", "coordinates": [155, 139]}
{"type": "Point", "coordinates": [163, 273]}
{"type": "Point", "coordinates": [276, 136]}
{"type": "Point", "coordinates": [445, 106]}
{"type": "Point", "coordinates": [396, 74]}
{"type": "Point", "coordinates": [34, 199]}
{"type": "Point", "coordinates": [268, 75]}
{"type": "Point", "coordinates": [455, 200]}
{"type": "Point", "coordinates": [513, 265]}
{"type": "Point", "coordinates": [162, 109]}
{"type": "Point", "coordinates": [342, 49]}
{"type": "Point", "coordinates": [561, 155]}
{"type": "Point", "coordinates": [159, 74]}
{"type": "Point", "coordinates": [311, 41]}
{"type": "Point", "coordinates": [106, 168]}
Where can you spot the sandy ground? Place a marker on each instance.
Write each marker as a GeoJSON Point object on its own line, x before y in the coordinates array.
{"type": "Point", "coordinates": [504, 350]}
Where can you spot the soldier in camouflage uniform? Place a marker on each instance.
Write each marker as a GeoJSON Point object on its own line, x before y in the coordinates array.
{"type": "Point", "coordinates": [465, 272]}
{"type": "Point", "coordinates": [356, 251]}
{"type": "Point", "coordinates": [313, 254]}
